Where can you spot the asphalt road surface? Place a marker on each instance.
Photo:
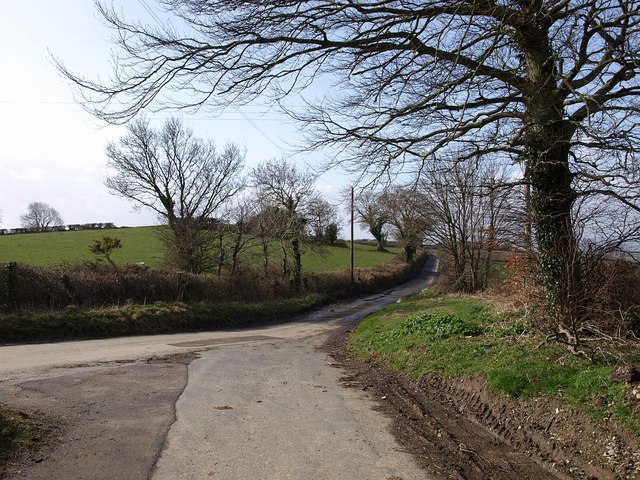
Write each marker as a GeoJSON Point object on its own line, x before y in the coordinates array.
{"type": "Point", "coordinates": [257, 403]}
{"type": "Point", "coordinates": [277, 411]}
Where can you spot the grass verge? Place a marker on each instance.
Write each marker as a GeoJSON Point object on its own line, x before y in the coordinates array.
{"type": "Point", "coordinates": [159, 317]}
{"type": "Point", "coordinates": [454, 336]}
{"type": "Point", "coordinates": [17, 431]}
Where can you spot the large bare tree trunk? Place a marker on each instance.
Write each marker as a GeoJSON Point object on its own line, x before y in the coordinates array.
{"type": "Point", "coordinates": [551, 205]}
{"type": "Point", "coordinates": [378, 234]}
{"type": "Point", "coordinates": [548, 141]}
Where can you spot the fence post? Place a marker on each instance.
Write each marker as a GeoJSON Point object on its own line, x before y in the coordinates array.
{"type": "Point", "coordinates": [7, 282]}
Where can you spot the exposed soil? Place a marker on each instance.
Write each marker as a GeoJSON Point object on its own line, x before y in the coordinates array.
{"type": "Point", "coordinates": [459, 429]}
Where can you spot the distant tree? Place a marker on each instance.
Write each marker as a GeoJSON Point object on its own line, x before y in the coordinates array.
{"type": "Point", "coordinates": [40, 217]}
{"type": "Point", "coordinates": [270, 223]}
{"type": "Point", "coordinates": [320, 216]}
{"type": "Point", "coordinates": [331, 233]}
{"type": "Point", "coordinates": [241, 230]}
{"type": "Point", "coordinates": [182, 178]}
{"type": "Point", "coordinates": [408, 218]}
{"type": "Point", "coordinates": [373, 215]}
{"type": "Point", "coordinates": [288, 189]}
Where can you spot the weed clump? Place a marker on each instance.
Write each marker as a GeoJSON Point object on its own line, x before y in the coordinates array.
{"type": "Point", "coordinates": [436, 326]}
{"type": "Point", "coordinates": [17, 431]}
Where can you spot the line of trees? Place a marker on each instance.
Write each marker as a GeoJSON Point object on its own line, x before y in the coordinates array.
{"type": "Point", "coordinates": [41, 217]}
{"type": "Point", "coordinates": [462, 208]}
{"type": "Point", "coordinates": [214, 213]}
{"type": "Point", "coordinates": [58, 228]}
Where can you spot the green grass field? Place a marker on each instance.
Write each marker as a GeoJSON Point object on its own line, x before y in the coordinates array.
{"type": "Point", "coordinates": [139, 244]}
{"type": "Point", "coordinates": [330, 259]}
{"type": "Point", "coordinates": [143, 244]}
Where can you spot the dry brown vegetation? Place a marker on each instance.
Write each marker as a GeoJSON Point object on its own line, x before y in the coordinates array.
{"type": "Point", "coordinates": [25, 287]}
{"type": "Point", "coordinates": [610, 297]}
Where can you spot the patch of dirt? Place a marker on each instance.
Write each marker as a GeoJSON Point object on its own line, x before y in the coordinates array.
{"type": "Point", "coordinates": [45, 433]}
{"type": "Point", "coordinates": [459, 429]}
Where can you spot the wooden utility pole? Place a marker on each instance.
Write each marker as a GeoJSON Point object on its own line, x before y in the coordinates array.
{"type": "Point", "coordinates": [351, 252]}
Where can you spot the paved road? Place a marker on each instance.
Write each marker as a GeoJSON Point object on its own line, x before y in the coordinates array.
{"type": "Point", "coordinates": [258, 403]}
{"type": "Point", "coordinates": [25, 361]}
{"type": "Point", "coordinates": [277, 411]}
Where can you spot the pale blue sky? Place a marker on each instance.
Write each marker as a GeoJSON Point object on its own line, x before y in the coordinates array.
{"type": "Point", "coordinates": [52, 151]}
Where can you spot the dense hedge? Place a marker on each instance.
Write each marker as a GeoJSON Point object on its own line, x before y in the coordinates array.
{"type": "Point", "coordinates": [25, 287]}
{"type": "Point", "coordinates": [46, 304]}
{"type": "Point", "coordinates": [7, 280]}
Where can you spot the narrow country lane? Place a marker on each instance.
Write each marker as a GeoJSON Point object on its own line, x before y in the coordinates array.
{"type": "Point", "coordinates": [257, 403]}
{"type": "Point", "coordinates": [26, 361]}
{"type": "Point", "coordinates": [277, 411]}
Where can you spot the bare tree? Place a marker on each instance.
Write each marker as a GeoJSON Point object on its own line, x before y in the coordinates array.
{"type": "Point", "coordinates": [322, 219]}
{"type": "Point", "coordinates": [552, 83]}
{"type": "Point", "coordinates": [243, 229]}
{"type": "Point", "coordinates": [471, 213]}
{"type": "Point", "coordinates": [408, 218]}
{"type": "Point", "coordinates": [40, 217]}
{"type": "Point", "coordinates": [372, 215]}
{"type": "Point", "coordinates": [270, 225]}
{"type": "Point", "coordinates": [182, 178]}
{"type": "Point", "coordinates": [288, 189]}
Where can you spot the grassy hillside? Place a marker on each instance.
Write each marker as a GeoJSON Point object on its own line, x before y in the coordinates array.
{"type": "Point", "coordinates": [139, 244]}
{"type": "Point", "coordinates": [142, 244]}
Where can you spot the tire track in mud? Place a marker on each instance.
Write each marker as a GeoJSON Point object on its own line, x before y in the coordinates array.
{"type": "Point", "coordinates": [563, 440]}
{"type": "Point", "coordinates": [462, 430]}
{"type": "Point", "coordinates": [438, 427]}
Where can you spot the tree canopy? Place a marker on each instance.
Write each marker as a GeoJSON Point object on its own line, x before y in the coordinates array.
{"type": "Point", "coordinates": [416, 76]}
{"type": "Point", "coordinates": [40, 216]}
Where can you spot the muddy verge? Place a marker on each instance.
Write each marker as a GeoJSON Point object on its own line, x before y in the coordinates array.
{"type": "Point", "coordinates": [459, 429]}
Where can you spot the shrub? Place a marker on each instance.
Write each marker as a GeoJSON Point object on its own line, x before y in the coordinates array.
{"type": "Point", "coordinates": [105, 247]}
{"type": "Point", "coordinates": [610, 298]}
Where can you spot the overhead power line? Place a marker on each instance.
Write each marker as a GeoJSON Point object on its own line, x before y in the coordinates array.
{"type": "Point", "coordinates": [149, 10]}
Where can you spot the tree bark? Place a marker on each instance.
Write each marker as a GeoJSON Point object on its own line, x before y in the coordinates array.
{"type": "Point", "coordinates": [548, 142]}
{"type": "Point", "coordinates": [297, 264]}
{"type": "Point", "coordinates": [551, 205]}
